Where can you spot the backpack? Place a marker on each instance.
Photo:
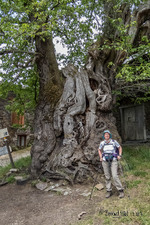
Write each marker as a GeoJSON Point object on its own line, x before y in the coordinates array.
{"type": "Point", "coordinates": [109, 156]}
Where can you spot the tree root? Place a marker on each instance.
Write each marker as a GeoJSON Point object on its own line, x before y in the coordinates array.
{"type": "Point", "coordinates": [57, 176]}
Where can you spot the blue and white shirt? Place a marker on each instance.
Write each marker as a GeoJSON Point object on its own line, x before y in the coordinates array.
{"type": "Point", "coordinates": [109, 147]}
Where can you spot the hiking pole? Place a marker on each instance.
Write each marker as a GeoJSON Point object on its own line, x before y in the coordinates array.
{"type": "Point", "coordinates": [122, 174]}
{"type": "Point", "coordinates": [94, 185]}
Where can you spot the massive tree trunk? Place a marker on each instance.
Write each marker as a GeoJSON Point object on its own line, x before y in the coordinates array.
{"type": "Point", "coordinates": [50, 92]}
{"type": "Point", "coordinates": [67, 134]}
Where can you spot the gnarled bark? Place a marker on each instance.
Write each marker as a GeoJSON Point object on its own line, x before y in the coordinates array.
{"type": "Point", "coordinates": [50, 92]}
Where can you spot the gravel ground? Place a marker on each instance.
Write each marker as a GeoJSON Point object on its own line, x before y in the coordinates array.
{"type": "Point", "coordinates": [26, 205]}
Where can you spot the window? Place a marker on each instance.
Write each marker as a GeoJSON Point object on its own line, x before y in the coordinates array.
{"type": "Point", "coordinates": [21, 141]}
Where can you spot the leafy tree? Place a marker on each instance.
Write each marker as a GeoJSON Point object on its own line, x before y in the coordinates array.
{"type": "Point", "coordinates": [22, 22]}
{"type": "Point", "coordinates": [30, 68]}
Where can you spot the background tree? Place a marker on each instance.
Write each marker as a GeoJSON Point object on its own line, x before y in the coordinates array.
{"type": "Point", "coordinates": [74, 106]}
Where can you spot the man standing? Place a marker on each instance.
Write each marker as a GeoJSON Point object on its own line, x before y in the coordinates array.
{"type": "Point", "coordinates": [109, 157]}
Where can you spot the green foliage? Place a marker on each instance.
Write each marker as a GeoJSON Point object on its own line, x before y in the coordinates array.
{"type": "Point", "coordinates": [17, 126]}
{"type": "Point", "coordinates": [77, 24]}
{"type": "Point", "coordinates": [134, 61]}
{"type": "Point", "coordinates": [20, 23]}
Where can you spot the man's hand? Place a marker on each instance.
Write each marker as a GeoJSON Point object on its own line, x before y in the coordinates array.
{"type": "Point", "coordinates": [118, 157]}
{"type": "Point", "coordinates": [100, 155]}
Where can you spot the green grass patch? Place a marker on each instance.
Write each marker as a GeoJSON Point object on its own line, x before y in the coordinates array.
{"type": "Point", "coordinates": [21, 164]}
{"type": "Point", "coordinates": [137, 156]}
{"type": "Point", "coordinates": [10, 179]}
{"type": "Point", "coordinates": [4, 171]}
{"type": "Point", "coordinates": [140, 173]}
{"type": "Point", "coordinates": [133, 183]}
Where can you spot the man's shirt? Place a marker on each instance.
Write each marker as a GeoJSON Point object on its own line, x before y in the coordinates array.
{"type": "Point", "coordinates": [108, 146]}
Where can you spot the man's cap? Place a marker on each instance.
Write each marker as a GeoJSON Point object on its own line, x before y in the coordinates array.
{"type": "Point", "coordinates": [106, 131]}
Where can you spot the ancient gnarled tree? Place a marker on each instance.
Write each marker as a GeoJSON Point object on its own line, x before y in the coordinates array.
{"type": "Point", "coordinates": [75, 105]}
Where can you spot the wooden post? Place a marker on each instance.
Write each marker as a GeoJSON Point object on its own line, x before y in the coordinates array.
{"type": "Point", "coordinates": [10, 156]}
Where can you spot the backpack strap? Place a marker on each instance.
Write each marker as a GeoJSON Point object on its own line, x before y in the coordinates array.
{"type": "Point", "coordinates": [116, 149]}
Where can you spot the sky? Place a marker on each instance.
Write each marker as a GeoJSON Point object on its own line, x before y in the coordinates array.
{"type": "Point", "coordinates": [58, 46]}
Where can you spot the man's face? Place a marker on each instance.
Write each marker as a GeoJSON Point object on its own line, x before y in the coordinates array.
{"type": "Point", "coordinates": [106, 136]}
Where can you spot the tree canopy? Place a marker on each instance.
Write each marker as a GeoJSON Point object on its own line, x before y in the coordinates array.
{"type": "Point", "coordinates": [22, 21]}
{"type": "Point", "coordinates": [78, 24]}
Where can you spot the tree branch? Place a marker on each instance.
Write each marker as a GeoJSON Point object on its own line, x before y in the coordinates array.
{"type": "Point", "coordinates": [136, 87]}
{"type": "Point", "coordinates": [16, 51]}
{"type": "Point", "coordinates": [27, 64]}
{"type": "Point", "coordinates": [55, 6]}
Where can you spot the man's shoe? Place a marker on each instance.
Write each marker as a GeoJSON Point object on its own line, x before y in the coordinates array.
{"type": "Point", "coordinates": [121, 194]}
{"type": "Point", "coordinates": [108, 194]}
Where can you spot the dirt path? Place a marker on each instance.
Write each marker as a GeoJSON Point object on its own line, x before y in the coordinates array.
{"type": "Point", "coordinates": [26, 205]}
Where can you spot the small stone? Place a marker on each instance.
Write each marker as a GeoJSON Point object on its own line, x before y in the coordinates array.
{"type": "Point", "coordinates": [85, 194]}
{"type": "Point", "coordinates": [81, 214]}
{"type": "Point", "coordinates": [66, 193]}
{"type": "Point", "coordinates": [61, 190]}
{"type": "Point", "coordinates": [41, 186]}
{"type": "Point", "coordinates": [100, 186]}
{"type": "Point", "coordinates": [13, 170]}
{"type": "Point", "coordinates": [47, 189]}
{"type": "Point", "coordinates": [18, 178]}
{"type": "Point", "coordinates": [69, 189]}
{"type": "Point", "coordinates": [77, 190]}
{"type": "Point", "coordinates": [50, 188]}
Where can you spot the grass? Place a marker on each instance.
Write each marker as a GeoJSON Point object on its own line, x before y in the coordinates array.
{"type": "Point", "coordinates": [133, 183]}
{"type": "Point", "coordinates": [137, 157]}
{"type": "Point", "coordinates": [21, 164]}
{"type": "Point", "coordinates": [10, 179]}
{"type": "Point", "coordinates": [4, 171]}
{"type": "Point", "coordinates": [133, 210]}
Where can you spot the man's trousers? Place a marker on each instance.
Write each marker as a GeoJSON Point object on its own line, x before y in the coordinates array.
{"type": "Point", "coordinates": [111, 169]}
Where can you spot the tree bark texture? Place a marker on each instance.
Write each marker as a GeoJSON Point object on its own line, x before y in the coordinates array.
{"type": "Point", "coordinates": [50, 92]}
{"type": "Point", "coordinates": [67, 134]}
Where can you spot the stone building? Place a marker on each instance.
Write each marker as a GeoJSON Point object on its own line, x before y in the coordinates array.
{"type": "Point", "coordinates": [20, 127]}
